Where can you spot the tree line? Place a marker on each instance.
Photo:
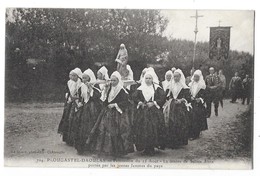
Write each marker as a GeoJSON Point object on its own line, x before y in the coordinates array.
{"type": "Point", "coordinates": [43, 45]}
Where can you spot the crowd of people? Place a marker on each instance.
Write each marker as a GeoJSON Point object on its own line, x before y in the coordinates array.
{"type": "Point", "coordinates": [116, 115]}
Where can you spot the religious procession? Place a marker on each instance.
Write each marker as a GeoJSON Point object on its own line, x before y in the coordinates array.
{"type": "Point", "coordinates": [116, 115]}
{"type": "Point", "coordinates": [148, 87]}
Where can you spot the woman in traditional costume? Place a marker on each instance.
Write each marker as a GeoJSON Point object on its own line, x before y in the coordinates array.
{"type": "Point", "coordinates": [64, 123]}
{"type": "Point", "coordinates": [102, 75]}
{"type": "Point", "coordinates": [149, 125]}
{"type": "Point", "coordinates": [113, 125]}
{"type": "Point", "coordinates": [75, 99]}
{"type": "Point", "coordinates": [177, 111]}
{"type": "Point", "coordinates": [198, 121]}
{"type": "Point", "coordinates": [142, 75]}
{"type": "Point", "coordinates": [166, 83]}
{"type": "Point", "coordinates": [138, 83]}
{"type": "Point", "coordinates": [130, 86]}
{"type": "Point", "coordinates": [128, 78]}
{"type": "Point", "coordinates": [166, 87]}
{"type": "Point", "coordinates": [87, 115]}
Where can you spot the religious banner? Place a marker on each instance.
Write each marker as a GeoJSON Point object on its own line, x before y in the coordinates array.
{"type": "Point", "coordinates": [99, 91]}
{"type": "Point", "coordinates": [219, 42]}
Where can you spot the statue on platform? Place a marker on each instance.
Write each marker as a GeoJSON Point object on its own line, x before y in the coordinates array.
{"type": "Point", "coordinates": [219, 43]}
{"type": "Point", "coordinates": [122, 59]}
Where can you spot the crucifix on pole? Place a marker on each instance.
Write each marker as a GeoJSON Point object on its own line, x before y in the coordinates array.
{"type": "Point", "coordinates": [219, 21]}
{"type": "Point", "coordinates": [195, 40]}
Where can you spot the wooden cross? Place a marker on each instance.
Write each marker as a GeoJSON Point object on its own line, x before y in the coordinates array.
{"type": "Point", "coordinates": [195, 40]}
{"type": "Point", "coordinates": [219, 22]}
{"type": "Point", "coordinates": [196, 18]}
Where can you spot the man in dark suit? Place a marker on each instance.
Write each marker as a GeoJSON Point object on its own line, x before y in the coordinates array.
{"type": "Point", "coordinates": [235, 87]}
{"type": "Point", "coordinates": [247, 89]}
{"type": "Point", "coordinates": [213, 90]}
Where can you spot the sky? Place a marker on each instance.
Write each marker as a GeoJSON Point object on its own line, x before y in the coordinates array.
{"type": "Point", "coordinates": [181, 26]}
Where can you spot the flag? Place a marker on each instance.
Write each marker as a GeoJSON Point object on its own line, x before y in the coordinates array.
{"type": "Point", "coordinates": [219, 42]}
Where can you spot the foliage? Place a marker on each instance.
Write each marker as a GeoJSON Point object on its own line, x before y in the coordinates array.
{"type": "Point", "coordinates": [58, 40]}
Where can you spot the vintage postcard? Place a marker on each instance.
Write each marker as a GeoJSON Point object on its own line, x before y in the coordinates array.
{"type": "Point", "coordinates": [129, 88]}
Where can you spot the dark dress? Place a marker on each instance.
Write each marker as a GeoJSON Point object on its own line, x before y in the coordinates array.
{"type": "Point", "coordinates": [86, 119]}
{"type": "Point", "coordinates": [113, 128]}
{"type": "Point", "coordinates": [178, 125]}
{"type": "Point", "coordinates": [166, 91]}
{"type": "Point", "coordinates": [149, 125]}
{"type": "Point", "coordinates": [73, 125]}
{"type": "Point", "coordinates": [132, 106]}
{"type": "Point", "coordinates": [63, 127]}
{"type": "Point", "coordinates": [198, 116]}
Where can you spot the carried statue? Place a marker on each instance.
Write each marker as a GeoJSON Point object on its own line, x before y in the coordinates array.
{"type": "Point", "coordinates": [122, 59]}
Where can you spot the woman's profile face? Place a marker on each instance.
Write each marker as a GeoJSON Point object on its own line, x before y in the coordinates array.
{"type": "Point", "coordinates": [148, 80]}
{"type": "Point", "coordinates": [196, 78]}
{"type": "Point", "coordinates": [74, 77]}
{"type": "Point", "coordinates": [99, 75]}
{"type": "Point", "coordinates": [168, 77]}
{"type": "Point", "coordinates": [114, 81]}
{"type": "Point", "coordinates": [85, 78]}
{"type": "Point", "coordinates": [70, 76]}
{"type": "Point", "coordinates": [177, 77]}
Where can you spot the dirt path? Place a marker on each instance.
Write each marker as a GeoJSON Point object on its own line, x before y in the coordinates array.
{"type": "Point", "coordinates": [31, 139]}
